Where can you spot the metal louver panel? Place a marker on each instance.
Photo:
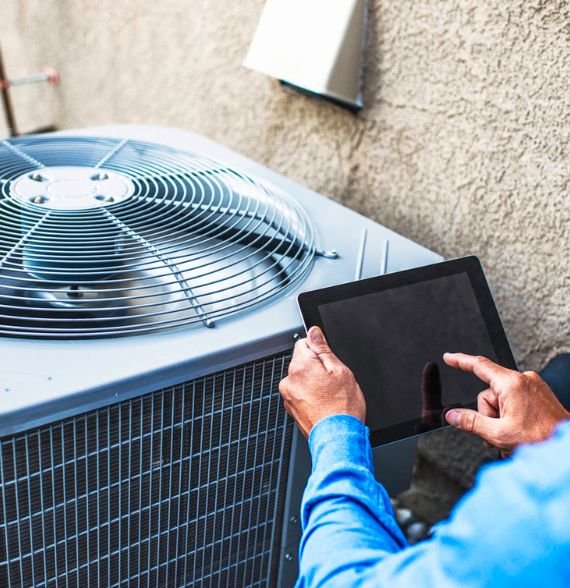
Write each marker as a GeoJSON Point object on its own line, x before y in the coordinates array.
{"type": "Point", "coordinates": [107, 237]}
{"type": "Point", "coordinates": [180, 487]}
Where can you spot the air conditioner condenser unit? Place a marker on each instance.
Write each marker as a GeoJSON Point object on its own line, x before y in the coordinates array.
{"type": "Point", "coordinates": [148, 279]}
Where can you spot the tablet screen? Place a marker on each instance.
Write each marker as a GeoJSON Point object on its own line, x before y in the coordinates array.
{"type": "Point", "coordinates": [393, 339]}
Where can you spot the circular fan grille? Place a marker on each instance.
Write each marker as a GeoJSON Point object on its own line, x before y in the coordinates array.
{"type": "Point", "coordinates": [105, 237]}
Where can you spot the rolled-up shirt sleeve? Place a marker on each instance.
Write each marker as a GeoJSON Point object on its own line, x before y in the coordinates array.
{"type": "Point", "coordinates": [511, 530]}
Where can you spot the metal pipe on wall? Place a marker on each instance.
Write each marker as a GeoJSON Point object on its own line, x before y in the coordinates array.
{"type": "Point", "coordinates": [6, 100]}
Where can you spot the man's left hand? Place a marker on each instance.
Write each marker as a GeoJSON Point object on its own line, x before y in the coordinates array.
{"type": "Point", "coordinates": [319, 384]}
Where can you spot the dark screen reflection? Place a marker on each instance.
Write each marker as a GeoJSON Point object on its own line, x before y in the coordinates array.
{"type": "Point", "coordinates": [394, 341]}
{"type": "Point", "coordinates": [433, 411]}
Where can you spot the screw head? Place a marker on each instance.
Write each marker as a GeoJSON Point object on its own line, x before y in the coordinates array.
{"type": "Point", "coordinates": [37, 177]}
{"type": "Point", "coordinates": [288, 556]}
{"type": "Point", "coordinates": [74, 292]}
{"type": "Point", "coordinates": [328, 253]}
{"type": "Point", "coordinates": [293, 519]}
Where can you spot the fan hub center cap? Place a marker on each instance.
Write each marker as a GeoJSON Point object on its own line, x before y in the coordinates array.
{"type": "Point", "coordinates": [71, 188]}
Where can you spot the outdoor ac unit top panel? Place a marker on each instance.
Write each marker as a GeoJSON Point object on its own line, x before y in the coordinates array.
{"type": "Point", "coordinates": [44, 379]}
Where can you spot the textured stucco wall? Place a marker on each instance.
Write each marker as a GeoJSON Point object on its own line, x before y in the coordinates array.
{"type": "Point", "coordinates": [463, 145]}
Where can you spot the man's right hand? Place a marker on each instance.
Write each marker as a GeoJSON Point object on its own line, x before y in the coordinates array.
{"type": "Point", "coordinates": [516, 408]}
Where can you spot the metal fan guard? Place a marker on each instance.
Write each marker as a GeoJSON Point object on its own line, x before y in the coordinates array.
{"type": "Point", "coordinates": [108, 237]}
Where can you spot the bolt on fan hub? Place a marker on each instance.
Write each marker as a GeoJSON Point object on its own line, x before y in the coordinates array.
{"type": "Point", "coordinates": [71, 188]}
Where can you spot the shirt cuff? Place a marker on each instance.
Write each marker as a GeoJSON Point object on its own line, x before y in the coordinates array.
{"type": "Point", "coordinates": [340, 438]}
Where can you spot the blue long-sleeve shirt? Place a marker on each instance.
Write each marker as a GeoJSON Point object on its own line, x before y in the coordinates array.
{"type": "Point", "coordinates": [511, 530]}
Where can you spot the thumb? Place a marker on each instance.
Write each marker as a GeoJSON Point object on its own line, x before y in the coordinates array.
{"type": "Point", "coordinates": [317, 343]}
{"type": "Point", "coordinates": [474, 422]}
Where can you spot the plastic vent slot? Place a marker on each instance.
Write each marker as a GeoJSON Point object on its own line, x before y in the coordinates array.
{"type": "Point", "coordinates": [106, 237]}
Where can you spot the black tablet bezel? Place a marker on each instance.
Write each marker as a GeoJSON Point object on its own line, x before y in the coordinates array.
{"type": "Point", "coordinates": [309, 303]}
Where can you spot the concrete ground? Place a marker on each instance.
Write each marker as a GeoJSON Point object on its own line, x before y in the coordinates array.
{"type": "Point", "coordinates": [446, 464]}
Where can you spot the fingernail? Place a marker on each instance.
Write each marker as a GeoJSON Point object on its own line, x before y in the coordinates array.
{"type": "Point", "coordinates": [453, 417]}
{"type": "Point", "coordinates": [316, 335]}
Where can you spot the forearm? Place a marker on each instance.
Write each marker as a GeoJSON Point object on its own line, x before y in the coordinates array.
{"type": "Point", "coordinates": [511, 530]}
{"type": "Point", "coordinates": [347, 516]}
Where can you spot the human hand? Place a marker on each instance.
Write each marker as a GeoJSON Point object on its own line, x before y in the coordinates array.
{"type": "Point", "coordinates": [516, 408]}
{"type": "Point", "coordinates": [319, 384]}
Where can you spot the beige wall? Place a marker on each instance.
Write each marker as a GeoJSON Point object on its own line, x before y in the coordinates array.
{"type": "Point", "coordinates": [463, 145]}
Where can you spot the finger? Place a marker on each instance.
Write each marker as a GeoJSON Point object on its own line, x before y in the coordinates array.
{"type": "Point", "coordinates": [301, 355]}
{"type": "Point", "coordinates": [473, 422]}
{"type": "Point", "coordinates": [482, 367]}
{"type": "Point", "coordinates": [488, 403]}
{"type": "Point", "coordinates": [317, 343]}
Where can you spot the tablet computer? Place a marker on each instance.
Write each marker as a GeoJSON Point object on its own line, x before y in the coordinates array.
{"type": "Point", "coordinates": [392, 332]}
